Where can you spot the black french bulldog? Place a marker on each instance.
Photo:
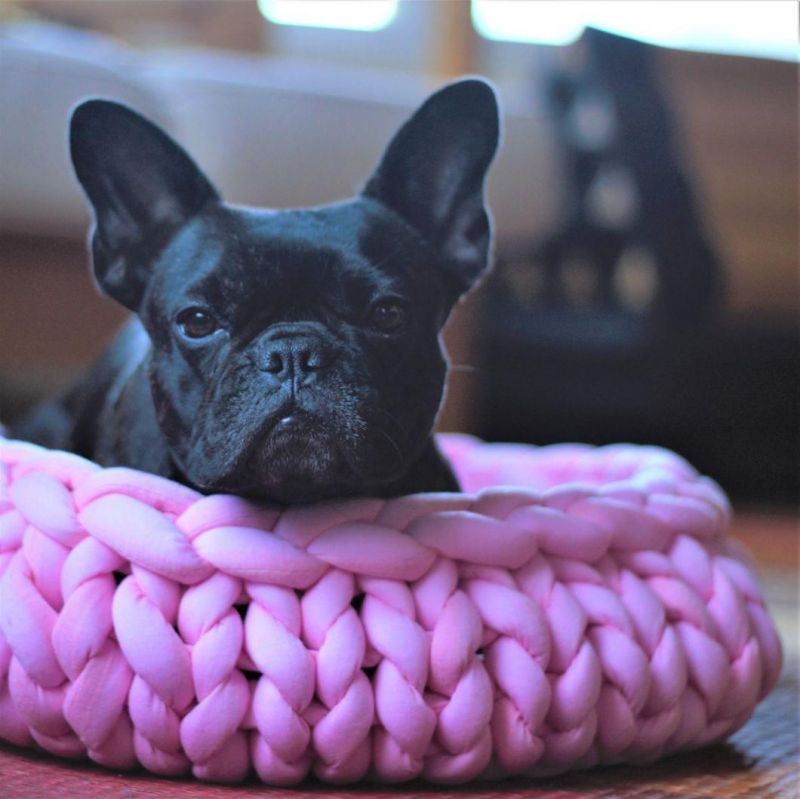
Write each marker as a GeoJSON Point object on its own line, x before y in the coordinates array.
{"type": "Point", "coordinates": [289, 355]}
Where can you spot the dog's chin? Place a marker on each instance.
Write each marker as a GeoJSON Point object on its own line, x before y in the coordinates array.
{"type": "Point", "coordinates": [308, 459]}
{"type": "Point", "coordinates": [298, 461]}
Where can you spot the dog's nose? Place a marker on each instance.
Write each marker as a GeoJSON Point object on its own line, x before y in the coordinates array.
{"type": "Point", "coordinates": [298, 356]}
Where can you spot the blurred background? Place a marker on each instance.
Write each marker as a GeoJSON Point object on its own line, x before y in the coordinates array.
{"type": "Point", "coordinates": [645, 199]}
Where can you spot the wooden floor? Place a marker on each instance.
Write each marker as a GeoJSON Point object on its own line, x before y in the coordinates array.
{"type": "Point", "coordinates": [762, 761]}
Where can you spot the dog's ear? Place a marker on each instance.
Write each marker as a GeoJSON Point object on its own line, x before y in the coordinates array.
{"type": "Point", "coordinates": [142, 186]}
{"type": "Point", "coordinates": [433, 172]}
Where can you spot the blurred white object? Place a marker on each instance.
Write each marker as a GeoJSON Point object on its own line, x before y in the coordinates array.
{"type": "Point", "coordinates": [766, 28]}
{"type": "Point", "coordinates": [361, 15]}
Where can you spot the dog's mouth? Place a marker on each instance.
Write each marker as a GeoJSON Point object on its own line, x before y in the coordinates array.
{"type": "Point", "coordinates": [297, 457]}
{"type": "Point", "coordinates": [305, 457]}
{"type": "Point", "coordinates": [303, 454]}
{"type": "Point", "coordinates": [300, 439]}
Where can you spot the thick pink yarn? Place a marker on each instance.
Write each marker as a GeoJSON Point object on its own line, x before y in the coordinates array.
{"type": "Point", "coordinates": [589, 611]}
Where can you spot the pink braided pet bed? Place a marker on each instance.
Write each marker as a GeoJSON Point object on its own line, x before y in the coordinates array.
{"type": "Point", "coordinates": [593, 612]}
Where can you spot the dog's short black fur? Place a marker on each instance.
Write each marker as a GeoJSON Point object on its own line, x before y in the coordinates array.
{"type": "Point", "coordinates": [285, 355]}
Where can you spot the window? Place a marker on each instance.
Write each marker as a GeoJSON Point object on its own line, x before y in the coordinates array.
{"type": "Point", "coordinates": [746, 27]}
{"type": "Point", "coordinates": [360, 15]}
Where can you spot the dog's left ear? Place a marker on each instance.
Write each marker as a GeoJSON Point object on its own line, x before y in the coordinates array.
{"type": "Point", "coordinates": [433, 172]}
{"type": "Point", "coordinates": [143, 187]}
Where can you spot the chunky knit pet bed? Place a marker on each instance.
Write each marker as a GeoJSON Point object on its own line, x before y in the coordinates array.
{"type": "Point", "coordinates": [589, 611]}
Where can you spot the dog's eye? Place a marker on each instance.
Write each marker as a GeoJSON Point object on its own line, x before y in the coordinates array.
{"type": "Point", "coordinates": [389, 316]}
{"type": "Point", "coordinates": [196, 323]}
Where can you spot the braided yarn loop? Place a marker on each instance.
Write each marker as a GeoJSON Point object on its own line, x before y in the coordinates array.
{"type": "Point", "coordinates": [573, 606]}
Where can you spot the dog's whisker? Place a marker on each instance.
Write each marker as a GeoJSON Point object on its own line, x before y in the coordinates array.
{"type": "Point", "coordinates": [394, 420]}
{"type": "Point", "coordinates": [394, 444]}
{"type": "Point", "coordinates": [465, 368]}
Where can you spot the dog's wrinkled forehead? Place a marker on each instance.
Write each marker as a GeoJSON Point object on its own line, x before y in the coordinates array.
{"type": "Point", "coordinates": [351, 252]}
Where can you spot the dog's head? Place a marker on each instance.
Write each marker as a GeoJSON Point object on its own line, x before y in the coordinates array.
{"type": "Point", "coordinates": [295, 353]}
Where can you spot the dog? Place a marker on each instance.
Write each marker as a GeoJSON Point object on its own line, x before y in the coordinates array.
{"type": "Point", "coordinates": [289, 356]}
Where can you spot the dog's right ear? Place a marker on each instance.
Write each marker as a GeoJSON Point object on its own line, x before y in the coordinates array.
{"type": "Point", "coordinates": [433, 172]}
{"type": "Point", "coordinates": [143, 188]}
